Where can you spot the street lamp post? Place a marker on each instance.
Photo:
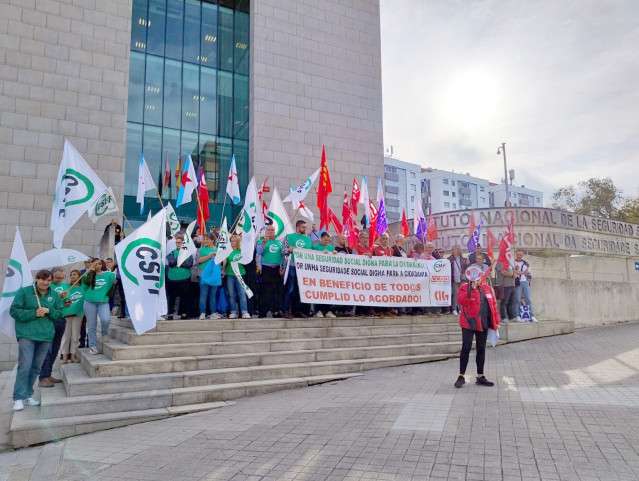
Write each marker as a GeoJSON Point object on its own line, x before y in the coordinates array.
{"type": "Point", "coordinates": [502, 150]}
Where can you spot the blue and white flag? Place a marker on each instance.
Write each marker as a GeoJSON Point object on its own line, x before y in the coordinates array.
{"type": "Point", "coordinates": [474, 239]}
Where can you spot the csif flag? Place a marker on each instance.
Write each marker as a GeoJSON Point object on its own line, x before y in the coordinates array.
{"type": "Point", "coordinates": [188, 246]}
{"type": "Point", "coordinates": [171, 218]}
{"type": "Point", "coordinates": [278, 217]}
{"type": "Point", "coordinates": [18, 276]}
{"type": "Point", "coordinates": [103, 205]}
{"type": "Point", "coordinates": [300, 193]}
{"type": "Point", "coordinates": [224, 248]}
{"type": "Point", "coordinates": [252, 222]}
{"type": "Point", "coordinates": [141, 262]}
{"type": "Point", "coordinates": [76, 189]}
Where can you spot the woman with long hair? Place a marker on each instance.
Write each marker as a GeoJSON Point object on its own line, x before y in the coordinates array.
{"type": "Point", "coordinates": [99, 287]}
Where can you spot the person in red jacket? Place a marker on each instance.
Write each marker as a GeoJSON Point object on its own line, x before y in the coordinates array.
{"type": "Point", "coordinates": [478, 314]}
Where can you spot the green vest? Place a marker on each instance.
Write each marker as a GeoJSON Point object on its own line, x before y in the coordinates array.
{"type": "Point", "coordinates": [178, 273]}
{"type": "Point", "coordinates": [234, 256]}
{"type": "Point", "coordinates": [58, 288]}
{"type": "Point", "coordinates": [272, 253]}
{"type": "Point", "coordinates": [299, 241]}
{"type": "Point", "coordinates": [103, 283]}
{"type": "Point", "coordinates": [205, 251]}
{"type": "Point", "coordinates": [76, 295]}
{"type": "Point", "coordinates": [321, 248]}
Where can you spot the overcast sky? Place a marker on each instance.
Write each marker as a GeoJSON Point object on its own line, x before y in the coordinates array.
{"type": "Point", "coordinates": [557, 80]}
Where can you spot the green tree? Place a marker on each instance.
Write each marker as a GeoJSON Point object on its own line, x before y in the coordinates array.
{"type": "Point", "coordinates": [595, 197]}
{"type": "Point", "coordinates": [629, 210]}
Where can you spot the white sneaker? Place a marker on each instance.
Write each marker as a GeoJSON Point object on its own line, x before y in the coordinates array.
{"type": "Point", "coordinates": [533, 319]}
{"type": "Point", "coordinates": [518, 319]}
{"type": "Point", "coordinates": [31, 402]}
{"type": "Point", "coordinates": [319, 314]}
{"type": "Point", "coordinates": [215, 316]}
{"type": "Point", "coordinates": [330, 314]}
{"type": "Point", "coordinates": [94, 350]}
{"type": "Point", "coordinates": [246, 315]}
{"type": "Point", "coordinates": [233, 315]}
{"type": "Point", "coordinates": [202, 316]}
{"type": "Point", "coordinates": [18, 405]}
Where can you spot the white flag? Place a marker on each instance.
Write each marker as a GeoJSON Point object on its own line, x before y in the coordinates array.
{"type": "Point", "coordinates": [18, 276]}
{"type": "Point", "coordinates": [380, 190]}
{"type": "Point", "coordinates": [253, 222]}
{"type": "Point", "coordinates": [174, 223]}
{"type": "Point", "coordinates": [278, 217]}
{"type": "Point", "coordinates": [364, 199]}
{"type": "Point", "coordinates": [76, 189]}
{"type": "Point", "coordinates": [233, 184]}
{"type": "Point", "coordinates": [188, 246]}
{"type": "Point", "coordinates": [300, 193]}
{"type": "Point", "coordinates": [145, 182]}
{"type": "Point", "coordinates": [305, 211]}
{"type": "Point", "coordinates": [141, 261]}
{"type": "Point", "coordinates": [103, 205]}
{"type": "Point", "coordinates": [224, 248]}
{"type": "Point", "coordinates": [188, 183]}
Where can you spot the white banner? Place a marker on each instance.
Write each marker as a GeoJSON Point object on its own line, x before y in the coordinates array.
{"type": "Point", "coordinates": [18, 276]}
{"type": "Point", "coordinates": [141, 261]}
{"type": "Point", "coordinates": [350, 280]}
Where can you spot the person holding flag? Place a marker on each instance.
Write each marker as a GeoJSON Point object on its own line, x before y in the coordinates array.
{"type": "Point", "coordinates": [210, 277]}
{"type": "Point", "coordinates": [179, 278]}
{"type": "Point", "coordinates": [458, 266]}
{"type": "Point", "coordinates": [269, 249]}
{"type": "Point", "coordinates": [234, 287]}
{"type": "Point", "coordinates": [298, 240]}
{"type": "Point", "coordinates": [99, 287]}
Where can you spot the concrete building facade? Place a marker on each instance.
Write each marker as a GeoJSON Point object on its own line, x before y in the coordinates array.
{"type": "Point", "coordinates": [520, 196]}
{"type": "Point", "coordinates": [444, 191]}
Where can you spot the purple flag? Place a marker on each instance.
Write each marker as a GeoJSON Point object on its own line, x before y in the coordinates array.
{"type": "Point", "coordinates": [382, 226]}
{"type": "Point", "coordinates": [474, 239]}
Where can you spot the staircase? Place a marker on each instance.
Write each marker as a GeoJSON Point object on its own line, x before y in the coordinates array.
{"type": "Point", "coordinates": [187, 366]}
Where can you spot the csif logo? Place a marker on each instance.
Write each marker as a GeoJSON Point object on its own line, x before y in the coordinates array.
{"type": "Point", "coordinates": [439, 265]}
{"type": "Point", "coordinates": [276, 221]}
{"type": "Point", "coordinates": [13, 279]}
{"type": "Point", "coordinates": [274, 248]}
{"type": "Point", "coordinates": [142, 258]}
{"type": "Point", "coordinates": [103, 204]}
{"type": "Point", "coordinates": [78, 189]}
{"type": "Point", "coordinates": [300, 243]}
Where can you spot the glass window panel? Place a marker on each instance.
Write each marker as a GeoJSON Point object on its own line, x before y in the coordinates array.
{"type": "Point", "coordinates": [242, 5]}
{"type": "Point", "coordinates": [241, 151]}
{"type": "Point", "coordinates": [225, 104]}
{"type": "Point", "coordinates": [225, 38]}
{"type": "Point", "coordinates": [172, 93]}
{"type": "Point", "coordinates": [171, 148]}
{"type": "Point", "coordinates": [191, 31]}
{"type": "Point", "coordinates": [138, 25]}
{"type": "Point", "coordinates": [190, 97]}
{"type": "Point", "coordinates": [241, 107]}
{"type": "Point", "coordinates": [136, 88]}
{"type": "Point", "coordinates": [208, 100]}
{"type": "Point", "coordinates": [208, 55]}
{"type": "Point", "coordinates": [242, 43]}
{"type": "Point", "coordinates": [227, 3]}
{"type": "Point", "coordinates": [133, 151]}
{"type": "Point", "coordinates": [157, 18]}
{"type": "Point", "coordinates": [152, 149]}
{"type": "Point", "coordinates": [153, 90]}
{"type": "Point", "coordinates": [210, 164]}
{"type": "Point", "coordinates": [174, 28]}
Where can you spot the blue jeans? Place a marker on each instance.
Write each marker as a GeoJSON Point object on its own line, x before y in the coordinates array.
{"type": "Point", "coordinates": [235, 291]}
{"type": "Point", "coordinates": [524, 286]}
{"type": "Point", "coordinates": [47, 365]}
{"type": "Point", "coordinates": [209, 292]}
{"type": "Point", "coordinates": [31, 355]}
{"type": "Point", "coordinates": [92, 310]}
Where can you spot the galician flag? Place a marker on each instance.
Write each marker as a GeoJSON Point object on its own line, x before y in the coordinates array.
{"type": "Point", "coordinates": [233, 184]}
{"type": "Point", "coordinates": [174, 223]}
{"type": "Point", "coordinates": [141, 262]}
{"type": "Point", "coordinates": [299, 194]}
{"type": "Point", "coordinates": [253, 222]}
{"type": "Point", "coordinates": [18, 276]}
{"type": "Point", "coordinates": [188, 246]}
{"type": "Point", "coordinates": [278, 217]}
{"type": "Point", "coordinates": [188, 182]}
{"type": "Point", "coordinates": [224, 248]}
{"type": "Point", "coordinates": [145, 182]}
{"type": "Point", "coordinates": [76, 189]}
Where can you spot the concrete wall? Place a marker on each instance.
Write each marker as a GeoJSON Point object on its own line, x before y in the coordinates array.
{"type": "Point", "coordinates": [64, 70]}
{"type": "Point", "coordinates": [316, 79]}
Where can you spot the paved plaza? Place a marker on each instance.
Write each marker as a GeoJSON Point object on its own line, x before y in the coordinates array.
{"type": "Point", "coordinates": [563, 408]}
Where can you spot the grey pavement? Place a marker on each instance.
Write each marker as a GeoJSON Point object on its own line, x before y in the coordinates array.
{"type": "Point", "coordinates": [563, 408]}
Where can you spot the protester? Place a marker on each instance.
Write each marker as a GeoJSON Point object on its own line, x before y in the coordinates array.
{"type": "Point", "coordinates": [99, 287]}
{"type": "Point", "coordinates": [478, 314]}
{"type": "Point", "coordinates": [341, 246]}
{"type": "Point", "coordinates": [270, 251]}
{"type": "Point", "coordinates": [58, 286]}
{"type": "Point", "coordinates": [35, 309]}
{"type": "Point", "coordinates": [233, 285]}
{"type": "Point", "coordinates": [458, 265]}
{"type": "Point", "coordinates": [73, 315]}
{"type": "Point", "coordinates": [430, 251]}
{"type": "Point", "coordinates": [473, 260]}
{"type": "Point", "coordinates": [362, 248]}
{"type": "Point", "coordinates": [522, 282]}
{"type": "Point", "coordinates": [208, 273]}
{"type": "Point", "coordinates": [325, 246]}
{"type": "Point", "coordinates": [179, 279]}
{"type": "Point", "coordinates": [398, 248]}
{"type": "Point", "coordinates": [292, 302]}
{"type": "Point", "coordinates": [383, 248]}
{"type": "Point", "coordinates": [508, 310]}
{"type": "Point", "coordinates": [418, 251]}
{"type": "Point", "coordinates": [315, 234]}
{"type": "Point", "coordinates": [482, 264]}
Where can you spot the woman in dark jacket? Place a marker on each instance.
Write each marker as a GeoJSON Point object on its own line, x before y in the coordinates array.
{"type": "Point", "coordinates": [478, 314]}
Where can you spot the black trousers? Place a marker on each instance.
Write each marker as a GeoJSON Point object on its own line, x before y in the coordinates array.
{"type": "Point", "coordinates": [47, 366]}
{"type": "Point", "coordinates": [270, 294]}
{"type": "Point", "coordinates": [179, 289]}
{"type": "Point", "coordinates": [480, 346]}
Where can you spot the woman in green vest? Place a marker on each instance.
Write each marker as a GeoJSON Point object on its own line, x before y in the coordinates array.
{"type": "Point", "coordinates": [35, 308]}
{"type": "Point", "coordinates": [73, 314]}
{"type": "Point", "coordinates": [99, 287]}
{"type": "Point", "coordinates": [179, 279]}
{"type": "Point", "coordinates": [233, 285]}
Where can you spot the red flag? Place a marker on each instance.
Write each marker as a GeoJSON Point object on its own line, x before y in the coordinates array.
{"type": "Point", "coordinates": [490, 244]}
{"type": "Point", "coordinates": [404, 231]}
{"type": "Point", "coordinates": [178, 176]}
{"type": "Point", "coordinates": [167, 173]}
{"type": "Point", "coordinates": [431, 231]}
{"type": "Point", "coordinates": [506, 242]}
{"type": "Point", "coordinates": [346, 208]}
{"type": "Point", "coordinates": [355, 197]}
{"type": "Point", "coordinates": [372, 231]}
{"type": "Point", "coordinates": [337, 225]}
{"type": "Point", "coordinates": [471, 230]}
{"type": "Point", "coordinates": [203, 213]}
{"type": "Point", "coordinates": [325, 188]}
{"type": "Point", "coordinates": [260, 192]}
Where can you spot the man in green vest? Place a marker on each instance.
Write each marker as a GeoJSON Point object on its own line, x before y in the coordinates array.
{"type": "Point", "coordinates": [298, 240]}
